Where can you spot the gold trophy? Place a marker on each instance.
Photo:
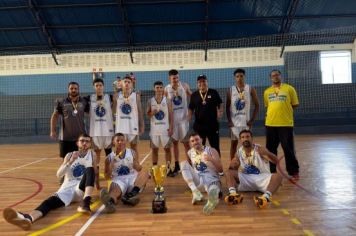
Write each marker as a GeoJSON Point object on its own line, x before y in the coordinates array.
{"type": "Point", "coordinates": [159, 173]}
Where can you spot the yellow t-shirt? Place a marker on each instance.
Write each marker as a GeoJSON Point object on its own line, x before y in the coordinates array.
{"type": "Point", "coordinates": [279, 105]}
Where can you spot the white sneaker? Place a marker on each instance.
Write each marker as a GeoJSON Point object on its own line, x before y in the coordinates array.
{"type": "Point", "coordinates": [213, 200]}
{"type": "Point", "coordinates": [16, 218]}
{"type": "Point", "coordinates": [197, 197]}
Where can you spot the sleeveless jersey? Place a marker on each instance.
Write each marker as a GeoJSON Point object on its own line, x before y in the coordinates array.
{"type": "Point", "coordinates": [179, 103]}
{"type": "Point", "coordinates": [78, 167]}
{"type": "Point", "coordinates": [240, 106]}
{"type": "Point", "coordinates": [160, 121]}
{"type": "Point", "coordinates": [101, 119]}
{"type": "Point", "coordinates": [127, 114]}
{"type": "Point", "coordinates": [122, 166]}
{"type": "Point", "coordinates": [199, 165]}
{"type": "Point", "coordinates": [254, 164]}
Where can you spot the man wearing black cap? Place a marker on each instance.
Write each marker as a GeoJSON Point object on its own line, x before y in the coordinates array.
{"type": "Point", "coordinates": [207, 106]}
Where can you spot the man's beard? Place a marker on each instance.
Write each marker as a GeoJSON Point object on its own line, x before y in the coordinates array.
{"type": "Point", "coordinates": [246, 144]}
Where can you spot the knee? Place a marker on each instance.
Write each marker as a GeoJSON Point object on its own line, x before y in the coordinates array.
{"type": "Point", "coordinates": [184, 165]}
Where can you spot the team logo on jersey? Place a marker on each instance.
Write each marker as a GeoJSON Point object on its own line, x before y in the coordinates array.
{"type": "Point", "coordinates": [177, 100]}
{"type": "Point", "coordinates": [159, 115]}
{"type": "Point", "coordinates": [251, 170]}
{"type": "Point", "coordinates": [200, 166]}
{"type": "Point", "coordinates": [123, 170]}
{"type": "Point", "coordinates": [78, 170]}
{"type": "Point", "coordinates": [100, 111]}
{"type": "Point", "coordinates": [240, 104]}
{"type": "Point", "coordinates": [126, 108]}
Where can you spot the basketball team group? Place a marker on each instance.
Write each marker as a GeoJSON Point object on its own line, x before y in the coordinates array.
{"type": "Point", "coordinates": [117, 120]}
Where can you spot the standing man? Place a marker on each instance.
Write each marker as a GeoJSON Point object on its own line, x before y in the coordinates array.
{"type": "Point", "coordinates": [101, 121]}
{"type": "Point", "coordinates": [280, 100]}
{"type": "Point", "coordinates": [207, 106]}
{"type": "Point", "coordinates": [71, 110]}
{"type": "Point", "coordinates": [159, 110]}
{"type": "Point", "coordinates": [238, 108]}
{"type": "Point", "coordinates": [78, 171]}
{"type": "Point", "coordinates": [129, 115]}
{"type": "Point", "coordinates": [179, 94]}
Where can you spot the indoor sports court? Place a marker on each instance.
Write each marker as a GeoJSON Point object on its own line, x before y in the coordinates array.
{"type": "Point", "coordinates": [45, 45]}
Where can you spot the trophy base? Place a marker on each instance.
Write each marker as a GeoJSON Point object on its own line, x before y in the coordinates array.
{"type": "Point", "coordinates": [159, 207]}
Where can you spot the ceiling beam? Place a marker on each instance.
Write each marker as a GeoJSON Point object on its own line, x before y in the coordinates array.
{"type": "Point", "coordinates": [287, 22]}
{"type": "Point", "coordinates": [42, 24]}
{"type": "Point", "coordinates": [241, 20]}
{"type": "Point", "coordinates": [206, 26]}
{"type": "Point", "coordinates": [128, 32]}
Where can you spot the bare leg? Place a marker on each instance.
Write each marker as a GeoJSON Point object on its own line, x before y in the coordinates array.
{"type": "Point", "coordinates": [275, 182]}
{"type": "Point", "coordinates": [154, 156]}
{"type": "Point", "coordinates": [168, 155]}
{"type": "Point", "coordinates": [233, 148]}
{"type": "Point", "coordinates": [97, 177]}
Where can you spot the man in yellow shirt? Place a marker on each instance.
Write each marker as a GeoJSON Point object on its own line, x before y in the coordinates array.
{"type": "Point", "coordinates": [280, 100]}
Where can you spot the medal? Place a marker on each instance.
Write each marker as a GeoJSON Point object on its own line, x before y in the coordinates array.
{"type": "Point", "coordinates": [241, 93]}
{"type": "Point", "coordinates": [75, 108]}
{"type": "Point", "coordinates": [203, 97]}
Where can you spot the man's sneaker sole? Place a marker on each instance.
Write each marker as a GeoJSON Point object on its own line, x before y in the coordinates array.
{"type": "Point", "coordinates": [10, 215]}
{"type": "Point", "coordinates": [105, 199]}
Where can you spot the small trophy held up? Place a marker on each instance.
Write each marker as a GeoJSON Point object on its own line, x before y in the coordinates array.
{"type": "Point", "coordinates": [98, 74]}
{"type": "Point", "coordinates": [159, 173]}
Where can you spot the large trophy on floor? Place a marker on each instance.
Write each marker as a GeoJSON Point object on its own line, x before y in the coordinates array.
{"type": "Point", "coordinates": [159, 173]}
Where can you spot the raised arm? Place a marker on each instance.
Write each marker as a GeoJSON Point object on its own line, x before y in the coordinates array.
{"type": "Point", "coordinates": [141, 121]}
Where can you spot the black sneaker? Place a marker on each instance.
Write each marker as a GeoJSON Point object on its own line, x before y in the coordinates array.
{"type": "Point", "coordinates": [130, 198]}
{"type": "Point", "coordinates": [84, 206]}
{"type": "Point", "coordinates": [17, 218]}
{"type": "Point", "coordinates": [107, 201]}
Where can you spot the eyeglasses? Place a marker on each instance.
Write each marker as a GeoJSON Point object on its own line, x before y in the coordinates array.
{"type": "Point", "coordinates": [84, 140]}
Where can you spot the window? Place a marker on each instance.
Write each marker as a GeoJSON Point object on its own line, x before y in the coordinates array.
{"type": "Point", "coordinates": [335, 67]}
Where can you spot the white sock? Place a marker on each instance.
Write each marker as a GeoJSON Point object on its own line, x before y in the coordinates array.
{"type": "Point", "coordinates": [232, 190]}
{"type": "Point", "coordinates": [267, 195]}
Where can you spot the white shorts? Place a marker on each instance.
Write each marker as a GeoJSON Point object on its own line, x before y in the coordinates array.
{"type": "Point", "coordinates": [235, 131]}
{"type": "Point", "coordinates": [180, 131]}
{"type": "Point", "coordinates": [202, 181]}
{"type": "Point", "coordinates": [125, 182]}
{"type": "Point", "coordinates": [251, 182]}
{"type": "Point", "coordinates": [160, 141]}
{"type": "Point", "coordinates": [131, 138]}
{"type": "Point", "coordinates": [69, 192]}
{"type": "Point", "coordinates": [102, 142]}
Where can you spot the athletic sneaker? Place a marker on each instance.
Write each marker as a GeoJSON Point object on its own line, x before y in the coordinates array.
{"type": "Point", "coordinates": [107, 201]}
{"type": "Point", "coordinates": [261, 201]}
{"type": "Point", "coordinates": [17, 218]}
{"type": "Point", "coordinates": [213, 200]}
{"type": "Point", "coordinates": [234, 198]}
{"type": "Point", "coordinates": [197, 197]}
{"type": "Point", "coordinates": [131, 198]}
{"type": "Point", "coordinates": [84, 206]}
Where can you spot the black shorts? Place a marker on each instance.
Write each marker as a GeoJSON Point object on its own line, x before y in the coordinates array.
{"type": "Point", "coordinates": [66, 147]}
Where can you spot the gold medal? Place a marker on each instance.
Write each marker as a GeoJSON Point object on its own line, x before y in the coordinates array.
{"type": "Point", "coordinates": [241, 93]}
{"type": "Point", "coordinates": [203, 97]}
{"type": "Point", "coordinates": [126, 98]}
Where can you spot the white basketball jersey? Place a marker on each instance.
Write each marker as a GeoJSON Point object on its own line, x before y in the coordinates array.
{"type": "Point", "coordinates": [122, 166]}
{"type": "Point", "coordinates": [199, 165]}
{"type": "Point", "coordinates": [253, 164]}
{"type": "Point", "coordinates": [159, 121]}
{"type": "Point", "coordinates": [240, 106]}
{"type": "Point", "coordinates": [101, 119]}
{"type": "Point", "coordinates": [179, 103]}
{"type": "Point", "coordinates": [77, 169]}
{"type": "Point", "coordinates": [127, 114]}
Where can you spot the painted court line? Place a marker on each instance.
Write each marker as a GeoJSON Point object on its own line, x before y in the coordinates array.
{"type": "Point", "coordinates": [98, 212]}
{"type": "Point", "coordinates": [73, 217]}
{"type": "Point", "coordinates": [18, 167]}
